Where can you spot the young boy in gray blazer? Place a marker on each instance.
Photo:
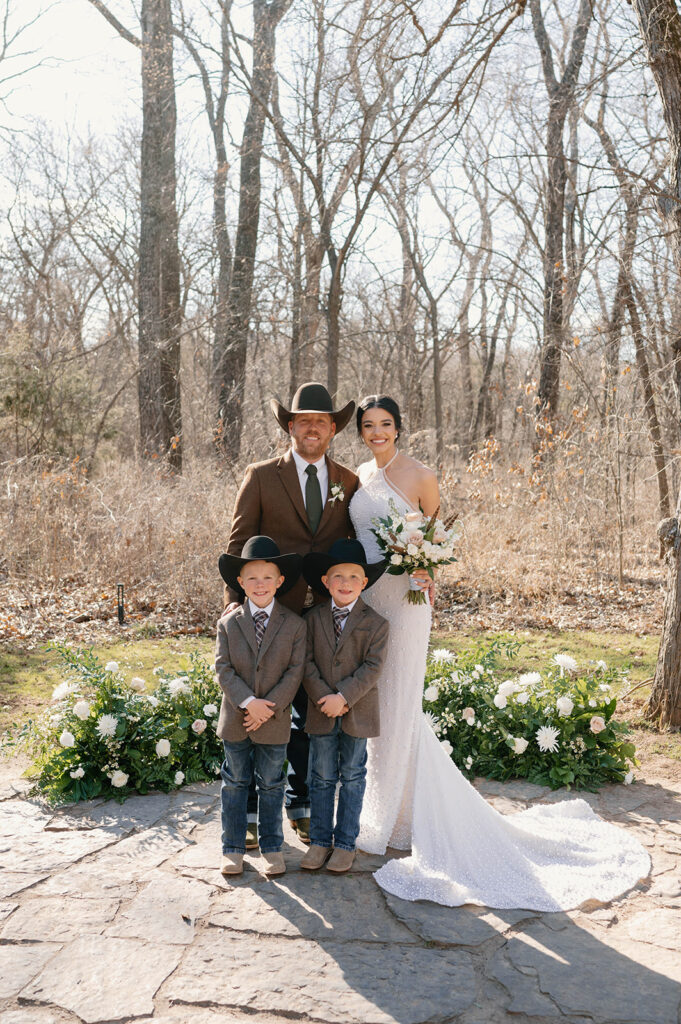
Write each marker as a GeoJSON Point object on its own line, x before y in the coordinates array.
{"type": "Point", "coordinates": [346, 648]}
{"type": "Point", "coordinates": [259, 661]}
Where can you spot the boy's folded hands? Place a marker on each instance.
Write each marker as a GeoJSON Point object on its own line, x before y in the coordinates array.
{"type": "Point", "coordinates": [332, 705]}
{"type": "Point", "coordinates": [257, 712]}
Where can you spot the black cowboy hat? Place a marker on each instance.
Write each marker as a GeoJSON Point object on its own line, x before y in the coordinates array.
{"type": "Point", "coordinates": [260, 549]}
{"type": "Point", "coordinates": [317, 563]}
{"type": "Point", "coordinates": [311, 397]}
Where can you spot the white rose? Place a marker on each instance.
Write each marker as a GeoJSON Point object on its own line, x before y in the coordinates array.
{"type": "Point", "coordinates": [564, 706]}
{"type": "Point", "coordinates": [179, 778]}
{"type": "Point", "coordinates": [79, 772]}
{"type": "Point", "coordinates": [593, 703]}
{"type": "Point", "coordinates": [439, 536]}
{"type": "Point", "coordinates": [412, 517]}
{"type": "Point", "coordinates": [396, 559]}
{"type": "Point", "coordinates": [519, 745]}
{"type": "Point", "coordinates": [469, 762]}
{"type": "Point", "coordinates": [415, 537]}
{"type": "Point", "coordinates": [506, 689]}
{"type": "Point", "coordinates": [199, 726]}
{"type": "Point", "coordinates": [152, 700]}
{"type": "Point", "coordinates": [67, 739]}
{"type": "Point", "coordinates": [480, 669]}
{"type": "Point", "coordinates": [163, 748]}
{"type": "Point", "coordinates": [119, 779]}
{"type": "Point", "coordinates": [81, 709]}
{"type": "Point", "coordinates": [138, 684]}
{"type": "Point", "coordinates": [111, 666]}
{"type": "Point", "coordinates": [628, 778]}
{"type": "Point", "coordinates": [412, 549]}
{"type": "Point", "coordinates": [522, 697]}
{"type": "Point", "coordinates": [468, 715]}
{"type": "Point", "coordinates": [604, 687]}
{"type": "Point", "coordinates": [447, 747]}
{"type": "Point", "coordinates": [431, 693]}
{"type": "Point", "coordinates": [597, 724]}
{"type": "Point", "coordinates": [210, 710]}
{"type": "Point", "coordinates": [499, 700]}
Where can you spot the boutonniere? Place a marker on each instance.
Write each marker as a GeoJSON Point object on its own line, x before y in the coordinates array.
{"type": "Point", "coordinates": [337, 493]}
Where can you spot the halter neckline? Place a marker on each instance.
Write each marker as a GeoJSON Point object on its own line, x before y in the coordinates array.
{"type": "Point", "coordinates": [388, 463]}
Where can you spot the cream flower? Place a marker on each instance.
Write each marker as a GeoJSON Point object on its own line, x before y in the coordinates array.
{"type": "Point", "coordinates": [602, 666]}
{"type": "Point", "coordinates": [604, 687]}
{"type": "Point", "coordinates": [593, 703]}
{"type": "Point", "coordinates": [67, 739]}
{"type": "Point", "coordinates": [628, 778]}
{"type": "Point", "coordinates": [199, 726]}
{"type": "Point", "coordinates": [447, 747]}
{"type": "Point", "coordinates": [522, 697]}
{"type": "Point", "coordinates": [507, 688]}
{"type": "Point", "coordinates": [597, 724]}
{"type": "Point", "coordinates": [163, 748]}
{"type": "Point", "coordinates": [138, 684]}
{"type": "Point", "coordinates": [499, 700]}
{"type": "Point", "coordinates": [432, 721]}
{"type": "Point", "coordinates": [77, 773]}
{"type": "Point", "coordinates": [412, 517]}
{"type": "Point", "coordinates": [63, 690]}
{"type": "Point", "coordinates": [152, 700]}
{"type": "Point", "coordinates": [396, 559]}
{"type": "Point", "coordinates": [442, 654]}
{"type": "Point", "coordinates": [431, 693]}
{"type": "Point", "coordinates": [412, 549]}
{"type": "Point", "coordinates": [529, 679]}
{"type": "Point", "coordinates": [469, 762]}
{"type": "Point", "coordinates": [480, 669]}
{"type": "Point", "coordinates": [210, 710]}
{"type": "Point", "coordinates": [565, 663]}
{"type": "Point", "coordinates": [547, 738]}
{"type": "Point", "coordinates": [468, 715]}
{"type": "Point", "coordinates": [520, 745]}
{"type": "Point", "coordinates": [179, 685]}
{"type": "Point", "coordinates": [81, 709]}
{"type": "Point", "coordinates": [106, 725]}
{"type": "Point", "coordinates": [415, 537]}
{"type": "Point", "coordinates": [119, 779]}
{"type": "Point", "coordinates": [564, 706]}
{"type": "Point", "coordinates": [111, 666]}
{"type": "Point", "coordinates": [179, 778]}
{"type": "Point", "coordinates": [439, 536]}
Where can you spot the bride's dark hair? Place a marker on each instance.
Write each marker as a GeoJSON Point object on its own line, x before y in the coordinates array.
{"type": "Point", "coordinates": [379, 402]}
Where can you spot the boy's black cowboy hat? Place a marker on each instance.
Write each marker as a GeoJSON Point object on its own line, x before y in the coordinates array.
{"type": "Point", "coordinates": [260, 549]}
{"type": "Point", "coordinates": [311, 397]}
{"type": "Point", "coordinates": [317, 563]}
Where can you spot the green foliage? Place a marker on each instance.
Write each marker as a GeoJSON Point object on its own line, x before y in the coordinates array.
{"type": "Point", "coordinates": [492, 724]}
{"type": "Point", "coordinates": [105, 735]}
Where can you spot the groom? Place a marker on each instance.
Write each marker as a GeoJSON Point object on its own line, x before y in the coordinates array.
{"type": "Point", "coordinates": [300, 500]}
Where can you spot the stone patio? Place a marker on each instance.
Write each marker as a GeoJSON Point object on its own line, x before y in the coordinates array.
{"type": "Point", "coordinates": [115, 913]}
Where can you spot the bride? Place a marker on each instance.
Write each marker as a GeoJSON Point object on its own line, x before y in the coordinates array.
{"type": "Point", "coordinates": [550, 857]}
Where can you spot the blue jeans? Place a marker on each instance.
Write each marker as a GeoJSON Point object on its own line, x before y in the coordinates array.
{"type": "Point", "coordinates": [265, 763]}
{"type": "Point", "coordinates": [332, 757]}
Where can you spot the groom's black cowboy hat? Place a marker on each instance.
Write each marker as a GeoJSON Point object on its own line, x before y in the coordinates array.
{"type": "Point", "coordinates": [312, 397]}
{"type": "Point", "coordinates": [260, 549]}
{"type": "Point", "coordinates": [318, 563]}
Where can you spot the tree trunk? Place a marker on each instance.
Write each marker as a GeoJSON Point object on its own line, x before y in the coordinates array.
{"type": "Point", "coordinates": [159, 263]}
{"type": "Point", "coordinates": [660, 25]}
{"type": "Point", "coordinates": [231, 368]}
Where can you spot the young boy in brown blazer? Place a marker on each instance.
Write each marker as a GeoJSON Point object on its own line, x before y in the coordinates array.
{"type": "Point", "coordinates": [259, 661]}
{"type": "Point", "coordinates": [346, 648]}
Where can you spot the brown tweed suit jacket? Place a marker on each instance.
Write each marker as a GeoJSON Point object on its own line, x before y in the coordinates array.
{"type": "Point", "coordinates": [273, 672]}
{"type": "Point", "coordinates": [351, 668]}
{"type": "Point", "coordinates": [270, 502]}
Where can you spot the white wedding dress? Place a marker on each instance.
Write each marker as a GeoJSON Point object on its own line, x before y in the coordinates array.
{"type": "Point", "coordinates": [550, 857]}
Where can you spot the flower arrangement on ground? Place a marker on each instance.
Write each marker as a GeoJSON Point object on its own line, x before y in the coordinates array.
{"type": "Point", "coordinates": [555, 727]}
{"type": "Point", "coordinates": [415, 541]}
{"type": "Point", "coordinates": [104, 735]}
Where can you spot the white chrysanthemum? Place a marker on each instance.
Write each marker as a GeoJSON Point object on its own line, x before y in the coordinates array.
{"type": "Point", "coordinates": [447, 747]}
{"type": "Point", "coordinates": [179, 685]}
{"type": "Point", "coordinates": [430, 693]}
{"type": "Point", "coordinates": [564, 706]}
{"type": "Point", "coordinates": [507, 688]}
{"type": "Point", "coordinates": [119, 779]}
{"type": "Point", "coordinates": [432, 721]}
{"type": "Point", "coordinates": [565, 663]}
{"type": "Point", "coordinates": [628, 778]}
{"type": "Point", "coordinates": [199, 726]}
{"type": "Point", "coordinates": [602, 666]}
{"type": "Point", "coordinates": [179, 778]}
{"type": "Point", "coordinates": [111, 666]}
{"type": "Point", "coordinates": [81, 709]}
{"type": "Point", "coordinates": [529, 679]}
{"type": "Point", "coordinates": [520, 745]}
{"type": "Point", "coordinates": [163, 748]}
{"type": "Point", "coordinates": [67, 739]}
{"type": "Point", "coordinates": [442, 654]}
{"type": "Point", "coordinates": [138, 684]}
{"type": "Point", "coordinates": [210, 710]}
{"type": "Point", "coordinates": [152, 700]}
{"type": "Point", "coordinates": [547, 738]}
{"type": "Point", "coordinates": [480, 669]}
{"type": "Point", "coordinates": [500, 701]}
{"type": "Point", "coordinates": [77, 773]}
{"type": "Point", "coordinates": [604, 687]}
{"type": "Point", "coordinates": [522, 697]}
{"type": "Point", "coordinates": [593, 703]}
{"type": "Point", "coordinates": [106, 725]}
{"type": "Point", "coordinates": [456, 677]}
{"type": "Point", "coordinates": [63, 690]}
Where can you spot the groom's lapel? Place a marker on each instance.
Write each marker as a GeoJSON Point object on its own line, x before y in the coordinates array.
{"type": "Point", "coordinates": [288, 474]}
{"type": "Point", "coordinates": [334, 472]}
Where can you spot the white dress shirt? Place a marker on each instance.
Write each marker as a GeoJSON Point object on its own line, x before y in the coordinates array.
{"type": "Point", "coordinates": [268, 611]}
{"type": "Point", "coordinates": [322, 474]}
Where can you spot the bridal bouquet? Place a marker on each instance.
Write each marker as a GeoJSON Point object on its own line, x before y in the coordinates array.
{"type": "Point", "coordinates": [415, 541]}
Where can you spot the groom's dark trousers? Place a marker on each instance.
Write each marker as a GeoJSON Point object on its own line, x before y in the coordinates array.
{"type": "Point", "coordinates": [270, 501]}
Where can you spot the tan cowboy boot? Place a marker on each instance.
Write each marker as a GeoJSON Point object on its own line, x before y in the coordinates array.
{"type": "Point", "coordinates": [315, 857]}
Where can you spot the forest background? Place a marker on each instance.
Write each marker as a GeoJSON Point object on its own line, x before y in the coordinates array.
{"type": "Point", "coordinates": [461, 206]}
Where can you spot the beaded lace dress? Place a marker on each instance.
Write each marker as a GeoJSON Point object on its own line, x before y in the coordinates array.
{"type": "Point", "coordinates": [549, 857]}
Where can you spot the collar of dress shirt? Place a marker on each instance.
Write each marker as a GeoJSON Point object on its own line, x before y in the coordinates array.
{"type": "Point", "coordinates": [346, 607]}
{"type": "Point", "coordinates": [254, 608]}
{"type": "Point", "coordinates": [302, 464]}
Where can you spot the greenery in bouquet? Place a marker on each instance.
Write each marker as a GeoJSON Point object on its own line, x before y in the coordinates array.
{"type": "Point", "coordinates": [105, 735]}
{"type": "Point", "coordinates": [555, 727]}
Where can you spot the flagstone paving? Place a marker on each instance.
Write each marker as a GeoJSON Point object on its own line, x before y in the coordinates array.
{"type": "Point", "coordinates": [114, 914]}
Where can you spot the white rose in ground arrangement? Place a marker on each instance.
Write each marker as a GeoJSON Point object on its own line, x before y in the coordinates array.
{"type": "Point", "coordinates": [499, 700]}
{"type": "Point", "coordinates": [520, 745]}
{"type": "Point", "coordinates": [179, 778]}
{"type": "Point", "coordinates": [61, 691]}
{"type": "Point", "coordinates": [597, 724]}
{"type": "Point", "coordinates": [447, 747]}
{"type": "Point", "coordinates": [81, 709]}
{"type": "Point", "coordinates": [564, 706]}
{"type": "Point", "coordinates": [468, 715]}
{"type": "Point", "coordinates": [111, 666]}
{"type": "Point", "coordinates": [199, 726]}
{"type": "Point", "coordinates": [431, 693]}
{"type": "Point", "coordinates": [210, 710]}
{"type": "Point", "coordinates": [522, 697]}
{"type": "Point", "coordinates": [119, 779]}
{"type": "Point", "coordinates": [163, 748]}
{"type": "Point", "coordinates": [67, 739]}
{"type": "Point", "coordinates": [138, 684]}
{"type": "Point", "coordinates": [507, 688]}
{"type": "Point", "coordinates": [77, 773]}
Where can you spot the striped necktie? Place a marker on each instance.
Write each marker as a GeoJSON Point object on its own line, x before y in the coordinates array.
{"type": "Point", "coordinates": [260, 622]}
{"type": "Point", "coordinates": [339, 617]}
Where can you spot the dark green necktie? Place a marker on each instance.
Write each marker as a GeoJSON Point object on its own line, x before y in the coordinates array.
{"type": "Point", "coordinates": [313, 498]}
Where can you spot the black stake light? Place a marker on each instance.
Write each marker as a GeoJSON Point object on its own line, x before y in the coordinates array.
{"type": "Point", "coordinates": [120, 596]}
